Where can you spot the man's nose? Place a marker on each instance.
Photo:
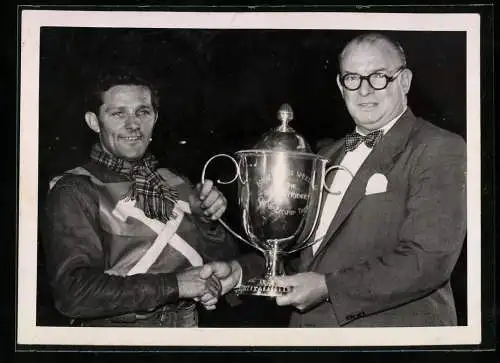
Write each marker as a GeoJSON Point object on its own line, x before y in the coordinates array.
{"type": "Point", "coordinates": [365, 88]}
{"type": "Point", "coordinates": [132, 122]}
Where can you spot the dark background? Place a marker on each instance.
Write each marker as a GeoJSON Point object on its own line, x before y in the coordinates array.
{"type": "Point", "coordinates": [220, 90]}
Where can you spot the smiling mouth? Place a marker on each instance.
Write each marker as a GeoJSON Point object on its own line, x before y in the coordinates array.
{"type": "Point", "coordinates": [367, 105]}
{"type": "Point", "coordinates": [131, 138]}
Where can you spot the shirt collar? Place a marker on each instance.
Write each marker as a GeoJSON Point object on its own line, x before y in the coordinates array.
{"type": "Point", "coordinates": [387, 126]}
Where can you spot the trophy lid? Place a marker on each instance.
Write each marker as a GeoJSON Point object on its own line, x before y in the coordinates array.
{"type": "Point", "coordinates": [283, 137]}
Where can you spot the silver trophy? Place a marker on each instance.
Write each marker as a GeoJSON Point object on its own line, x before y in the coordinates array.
{"type": "Point", "coordinates": [280, 188]}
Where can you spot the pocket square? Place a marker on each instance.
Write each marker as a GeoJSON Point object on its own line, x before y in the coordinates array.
{"type": "Point", "coordinates": [376, 184]}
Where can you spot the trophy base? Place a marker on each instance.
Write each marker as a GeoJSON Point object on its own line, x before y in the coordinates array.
{"type": "Point", "coordinates": [262, 287]}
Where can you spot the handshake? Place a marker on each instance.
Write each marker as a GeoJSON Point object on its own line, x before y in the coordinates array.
{"type": "Point", "coordinates": [207, 283]}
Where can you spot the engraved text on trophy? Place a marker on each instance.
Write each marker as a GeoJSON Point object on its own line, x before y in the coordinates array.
{"type": "Point", "coordinates": [281, 190]}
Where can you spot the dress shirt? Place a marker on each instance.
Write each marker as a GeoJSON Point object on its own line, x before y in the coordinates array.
{"type": "Point", "coordinates": [341, 181]}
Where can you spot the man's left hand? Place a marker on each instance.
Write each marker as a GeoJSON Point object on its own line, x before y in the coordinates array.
{"type": "Point", "coordinates": [308, 289]}
{"type": "Point", "coordinates": [208, 202]}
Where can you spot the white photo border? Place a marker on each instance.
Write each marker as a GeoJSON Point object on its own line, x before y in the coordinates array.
{"type": "Point", "coordinates": [28, 333]}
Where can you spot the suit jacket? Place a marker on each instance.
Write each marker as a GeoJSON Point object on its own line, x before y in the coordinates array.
{"type": "Point", "coordinates": [388, 256]}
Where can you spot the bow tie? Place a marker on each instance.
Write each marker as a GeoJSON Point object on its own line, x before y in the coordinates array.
{"type": "Point", "coordinates": [353, 140]}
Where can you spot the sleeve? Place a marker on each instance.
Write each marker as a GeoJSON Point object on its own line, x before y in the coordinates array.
{"type": "Point", "coordinates": [430, 239]}
{"type": "Point", "coordinates": [219, 244]}
{"type": "Point", "coordinates": [76, 264]}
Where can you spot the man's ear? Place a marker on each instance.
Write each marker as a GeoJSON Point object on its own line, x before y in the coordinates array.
{"type": "Point", "coordinates": [92, 121]}
{"type": "Point", "coordinates": [406, 77]}
{"type": "Point", "coordinates": [339, 85]}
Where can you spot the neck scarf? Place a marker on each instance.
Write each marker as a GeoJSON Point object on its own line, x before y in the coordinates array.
{"type": "Point", "coordinates": [148, 185]}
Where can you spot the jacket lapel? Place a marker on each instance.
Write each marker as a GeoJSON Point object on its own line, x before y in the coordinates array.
{"type": "Point", "coordinates": [380, 160]}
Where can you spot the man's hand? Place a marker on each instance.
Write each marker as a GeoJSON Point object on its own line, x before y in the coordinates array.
{"type": "Point", "coordinates": [208, 202]}
{"type": "Point", "coordinates": [192, 284]}
{"type": "Point", "coordinates": [308, 289]}
{"type": "Point", "coordinates": [229, 275]}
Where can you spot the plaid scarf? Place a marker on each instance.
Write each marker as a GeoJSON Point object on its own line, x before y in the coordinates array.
{"type": "Point", "coordinates": [159, 199]}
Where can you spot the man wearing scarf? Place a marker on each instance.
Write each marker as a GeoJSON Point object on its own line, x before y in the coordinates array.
{"type": "Point", "coordinates": [126, 241]}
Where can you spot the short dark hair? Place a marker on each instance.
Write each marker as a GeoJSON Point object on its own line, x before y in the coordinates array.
{"type": "Point", "coordinates": [373, 38]}
{"type": "Point", "coordinates": [118, 76]}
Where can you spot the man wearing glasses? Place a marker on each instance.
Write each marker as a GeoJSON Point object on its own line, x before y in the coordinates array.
{"type": "Point", "coordinates": [391, 235]}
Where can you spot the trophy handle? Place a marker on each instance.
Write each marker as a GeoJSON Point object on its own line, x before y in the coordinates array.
{"type": "Point", "coordinates": [224, 224]}
{"type": "Point", "coordinates": [218, 180]}
{"type": "Point", "coordinates": [237, 174]}
{"type": "Point", "coordinates": [306, 245]}
{"type": "Point", "coordinates": [329, 170]}
{"type": "Point", "coordinates": [330, 191]}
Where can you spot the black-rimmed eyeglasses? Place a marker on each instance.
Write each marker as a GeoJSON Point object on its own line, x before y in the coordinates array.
{"type": "Point", "coordinates": [376, 80]}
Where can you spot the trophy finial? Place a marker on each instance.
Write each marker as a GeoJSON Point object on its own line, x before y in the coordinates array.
{"type": "Point", "coordinates": [285, 115]}
{"type": "Point", "coordinates": [283, 137]}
